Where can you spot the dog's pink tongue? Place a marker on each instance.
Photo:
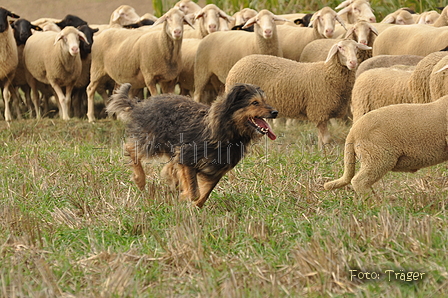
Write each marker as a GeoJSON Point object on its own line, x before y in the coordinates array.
{"type": "Point", "coordinates": [260, 122]}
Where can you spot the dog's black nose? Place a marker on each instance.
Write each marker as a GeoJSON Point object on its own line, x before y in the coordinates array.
{"type": "Point", "coordinates": [274, 113]}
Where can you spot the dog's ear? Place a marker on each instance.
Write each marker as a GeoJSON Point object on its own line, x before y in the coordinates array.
{"type": "Point", "coordinates": [240, 94]}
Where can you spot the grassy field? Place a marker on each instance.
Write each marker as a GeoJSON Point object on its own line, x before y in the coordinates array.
{"type": "Point", "coordinates": [73, 224]}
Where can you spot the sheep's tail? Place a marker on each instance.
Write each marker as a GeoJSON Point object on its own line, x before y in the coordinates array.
{"type": "Point", "coordinates": [349, 167]}
{"type": "Point", "coordinates": [120, 104]}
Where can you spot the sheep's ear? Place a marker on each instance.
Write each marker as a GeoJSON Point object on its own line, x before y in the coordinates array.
{"type": "Point", "coordinates": [199, 14]}
{"type": "Point", "coordinates": [250, 22]}
{"type": "Point", "coordinates": [36, 28]}
{"type": "Point", "coordinates": [58, 37]}
{"type": "Point", "coordinates": [116, 15]}
{"type": "Point", "coordinates": [223, 15]}
{"type": "Point", "coordinates": [13, 15]}
{"type": "Point", "coordinates": [388, 20]}
{"type": "Point", "coordinates": [442, 69]}
{"type": "Point", "coordinates": [82, 37]}
{"type": "Point", "coordinates": [363, 47]}
{"type": "Point", "coordinates": [277, 18]}
{"type": "Point", "coordinates": [340, 21]}
{"type": "Point", "coordinates": [334, 49]}
{"type": "Point", "coordinates": [189, 20]}
{"type": "Point", "coordinates": [345, 10]}
{"type": "Point", "coordinates": [160, 20]}
{"type": "Point", "coordinates": [11, 23]}
{"type": "Point", "coordinates": [349, 31]}
{"type": "Point", "coordinates": [373, 29]}
{"type": "Point", "coordinates": [344, 4]}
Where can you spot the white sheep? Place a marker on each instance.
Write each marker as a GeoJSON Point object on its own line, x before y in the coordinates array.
{"type": "Point", "coordinates": [401, 16]}
{"type": "Point", "coordinates": [428, 17]}
{"type": "Point", "coordinates": [140, 57]}
{"type": "Point", "coordinates": [387, 61]}
{"type": "Point", "coordinates": [120, 17]}
{"type": "Point", "coordinates": [8, 58]}
{"type": "Point", "coordinates": [361, 32]}
{"type": "Point", "coordinates": [379, 87]}
{"type": "Point", "coordinates": [218, 52]}
{"type": "Point", "coordinates": [411, 40]}
{"type": "Point", "coordinates": [242, 16]}
{"type": "Point", "coordinates": [419, 80]}
{"type": "Point", "coordinates": [207, 20]}
{"type": "Point", "coordinates": [314, 91]}
{"type": "Point", "coordinates": [293, 38]}
{"type": "Point", "coordinates": [399, 138]}
{"type": "Point", "coordinates": [355, 10]}
{"type": "Point", "coordinates": [53, 58]}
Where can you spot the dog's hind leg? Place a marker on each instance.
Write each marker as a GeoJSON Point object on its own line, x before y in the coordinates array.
{"type": "Point", "coordinates": [188, 182]}
{"type": "Point", "coordinates": [139, 174]}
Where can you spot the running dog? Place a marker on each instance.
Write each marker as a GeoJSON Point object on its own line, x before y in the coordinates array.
{"type": "Point", "coordinates": [202, 143]}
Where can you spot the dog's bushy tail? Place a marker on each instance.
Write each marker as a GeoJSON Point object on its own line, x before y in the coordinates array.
{"type": "Point", "coordinates": [120, 104]}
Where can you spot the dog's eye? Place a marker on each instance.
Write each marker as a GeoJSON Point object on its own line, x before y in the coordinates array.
{"type": "Point", "coordinates": [255, 103]}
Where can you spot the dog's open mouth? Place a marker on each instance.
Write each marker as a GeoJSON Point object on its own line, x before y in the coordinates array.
{"type": "Point", "coordinates": [262, 127]}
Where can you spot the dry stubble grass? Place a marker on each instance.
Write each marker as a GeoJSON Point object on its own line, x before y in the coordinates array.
{"type": "Point", "coordinates": [72, 223]}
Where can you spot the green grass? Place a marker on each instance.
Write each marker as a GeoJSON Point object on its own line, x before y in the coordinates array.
{"type": "Point", "coordinates": [73, 224]}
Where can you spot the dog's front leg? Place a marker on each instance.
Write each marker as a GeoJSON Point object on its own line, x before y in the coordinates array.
{"type": "Point", "coordinates": [139, 174]}
{"type": "Point", "coordinates": [188, 182]}
{"type": "Point", "coordinates": [206, 185]}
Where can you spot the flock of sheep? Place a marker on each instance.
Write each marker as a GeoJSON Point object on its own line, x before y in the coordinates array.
{"type": "Point", "coordinates": [335, 63]}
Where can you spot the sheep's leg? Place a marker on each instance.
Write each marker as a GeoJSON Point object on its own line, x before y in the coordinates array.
{"type": "Point", "coordinates": [16, 99]}
{"type": "Point", "coordinates": [90, 100]}
{"type": "Point", "coordinates": [152, 87]}
{"type": "Point", "coordinates": [7, 99]}
{"type": "Point", "coordinates": [28, 101]}
{"type": "Point", "coordinates": [371, 170]}
{"type": "Point", "coordinates": [168, 87]}
{"type": "Point", "coordinates": [324, 135]}
{"type": "Point", "coordinates": [35, 97]}
{"type": "Point", "coordinates": [62, 99]}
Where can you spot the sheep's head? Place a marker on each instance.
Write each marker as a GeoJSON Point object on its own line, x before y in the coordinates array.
{"type": "Point", "coordinates": [242, 16]}
{"type": "Point", "coordinates": [324, 21]}
{"type": "Point", "coordinates": [265, 20]}
{"type": "Point", "coordinates": [210, 15]}
{"type": "Point", "coordinates": [357, 10]}
{"type": "Point", "coordinates": [4, 14]}
{"type": "Point", "coordinates": [346, 51]}
{"type": "Point", "coordinates": [70, 36]}
{"type": "Point", "coordinates": [187, 6]}
{"type": "Point", "coordinates": [174, 21]}
{"type": "Point", "coordinates": [363, 32]}
{"type": "Point", "coordinates": [124, 15]}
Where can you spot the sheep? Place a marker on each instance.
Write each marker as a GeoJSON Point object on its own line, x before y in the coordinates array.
{"type": "Point", "coordinates": [419, 80]}
{"type": "Point", "coordinates": [188, 6]}
{"type": "Point", "coordinates": [232, 46]}
{"type": "Point", "coordinates": [242, 16]}
{"type": "Point", "coordinates": [362, 32]}
{"type": "Point", "coordinates": [314, 91]}
{"type": "Point", "coordinates": [401, 16]}
{"type": "Point", "coordinates": [428, 17]}
{"type": "Point", "coordinates": [399, 138]}
{"type": "Point", "coordinates": [9, 58]}
{"type": "Point", "coordinates": [71, 20]}
{"type": "Point", "coordinates": [207, 21]}
{"type": "Point", "coordinates": [120, 17]}
{"type": "Point", "coordinates": [354, 10]}
{"type": "Point", "coordinates": [53, 58]}
{"type": "Point", "coordinates": [387, 61]}
{"type": "Point", "coordinates": [294, 39]}
{"type": "Point", "coordinates": [186, 74]}
{"type": "Point", "coordinates": [47, 24]}
{"type": "Point", "coordinates": [411, 40]}
{"type": "Point", "coordinates": [22, 29]}
{"type": "Point", "coordinates": [438, 83]}
{"type": "Point", "coordinates": [379, 87]}
{"type": "Point", "coordinates": [142, 58]}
